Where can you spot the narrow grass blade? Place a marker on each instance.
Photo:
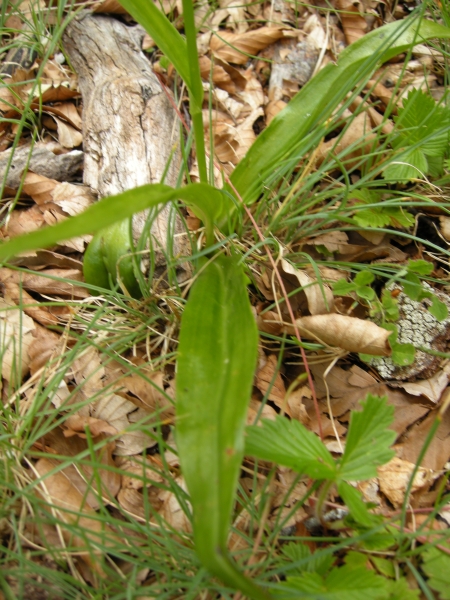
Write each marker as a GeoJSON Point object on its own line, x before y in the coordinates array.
{"type": "Point", "coordinates": [216, 361]}
{"type": "Point", "coordinates": [315, 102]}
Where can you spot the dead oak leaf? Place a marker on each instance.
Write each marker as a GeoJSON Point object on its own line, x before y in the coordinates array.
{"type": "Point", "coordinates": [237, 47]}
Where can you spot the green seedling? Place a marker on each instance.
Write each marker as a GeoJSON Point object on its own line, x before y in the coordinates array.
{"type": "Point", "coordinates": [360, 286]}
{"type": "Point", "coordinates": [421, 141]}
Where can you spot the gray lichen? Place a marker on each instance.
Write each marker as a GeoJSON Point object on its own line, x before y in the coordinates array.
{"type": "Point", "coordinates": [419, 327]}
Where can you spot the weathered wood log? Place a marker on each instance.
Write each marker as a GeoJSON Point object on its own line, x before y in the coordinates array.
{"type": "Point", "coordinates": [130, 129]}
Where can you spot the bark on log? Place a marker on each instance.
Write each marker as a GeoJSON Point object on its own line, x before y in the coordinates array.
{"type": "Point", "coordinates": [130, 130]}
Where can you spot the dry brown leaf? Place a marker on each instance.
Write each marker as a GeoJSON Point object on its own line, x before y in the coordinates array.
{"type": "Point", "coordinates": [41, 284]}
{"type": "Point", "coordinates": [353, 23]}
{"type": "Point", "coordinates": [71, 508]}
{"type": "Point", "coordinates": [99, 486]}
{"type": "Point", "coordinates": [431, 388]}
{"type": "Point", "coordinates": [68, 136]}
{"type": "Point", "coordinates": [394, 478]}
{"type": "Point", "coordinates": [438, 451]}
{"type": "Point", "coordinates": [16, 338]}
{"type": "Point", "coordinates": [110, 7]}
{"type": "Point", "coordinates": [29, 305]}
{"type": "Point", "coordinates": [358, 136]}
{"type": "Point", "coordinates": [320, 297]}
{"type": "Point", "coordinates": [73, 199]}
{"type": "Point", "coordinates": [348, 333]}
{"type": "Point", "coordinates": [246, 134]}
{"type": "Point", "coordinates": [24, 221]}
{"type": "Point", "coordinates": [120, 413]}
{"type": "Point", "coordinates": [46, 346]}
{"type": "Point", "coordinates": [268, 379]}
{"type": "Point", "coordinates": [76, 425]}
{"type": "Point", "coordinates": [254, 410]}
{"type": "Point", "coordinates": [40, 188]}
{"type": "Point", "coordinates": [236, 47]}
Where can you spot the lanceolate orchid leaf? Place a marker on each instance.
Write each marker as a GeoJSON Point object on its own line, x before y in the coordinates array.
{"type": "Point", "coordinates": [288, 134]}
{"type": "Point", "coordinates": [216, 361]}
{"type": "Point", "coordinates": [207, 202]}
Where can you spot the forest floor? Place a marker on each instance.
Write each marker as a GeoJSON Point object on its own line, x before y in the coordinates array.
{"type": "Point", "coordinates": [93, 501]}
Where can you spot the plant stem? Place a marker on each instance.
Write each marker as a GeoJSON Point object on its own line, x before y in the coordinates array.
{"type": "Point", "coordinates": [196, 88]}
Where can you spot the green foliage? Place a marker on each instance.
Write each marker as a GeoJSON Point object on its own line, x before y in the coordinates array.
{"type": "Point", "coordinates": [352, 583]}
{"type": "Point", "coordinates": [421, 135]}
{"type": "Point", "coordinates": [436, 566]}
{"type": "Point", "coordinates": [216, 361]}
{"type": "Point", "coordinates": [368, 442]}
{"type": "Point", "coordinates": [402, 354]}
{"type": "Point", "coordinates": [379, 214]}
{"type": "Point", "coordinates": [360, 285]}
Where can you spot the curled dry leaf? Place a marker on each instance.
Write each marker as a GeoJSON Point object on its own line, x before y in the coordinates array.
{"type": "Point", "coordinates": [268, 380]}
{"type": "Point", "coordinates": [16, 339]}
{"type": "Point", "coordinates": [348, 333]}
{"type": "Point", "coordinates": [394, 478]}
{"type": "Point", "coordinates": [353, 22]}
{"type": "Point", "coordinates": [320, 297]}
{"type": "Point", "coordinates": [72, 509]}
{"type": "Point", "coordinates": [236, 47]}
{"type": "Point", "coordinates": [40, 188]}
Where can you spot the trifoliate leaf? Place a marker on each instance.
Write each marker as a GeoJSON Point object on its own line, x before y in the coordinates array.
{"type": "Point", "coordinates": [421, 267]}
{"type": "Point", "coordinates": [319, 562]}
{"type": "Point", "coordinates": [368, 440]}
{"type": "Point", "coordinates": [437, 567]}
{"type": "Point", "coordinates": [366, 292]}
{"type": "Point", "coordinates": [402, 354]}
{"type": "Point", "coordinates": [289, 443]}
{"type": "Point", "coordinates": [358, 508]}
{"type": "Point", "coordinates": [399, 217]}
{"type": "Point", "coordinates": [342, 287]}
{"type": "Point", "coordinates": [400, 590]}
{"type": "Point", "coordinates": [364, 278]}
{"type": "Point", "coordinates": [371, 217]}
{"type": "Point", "coordinates": [384, 566]}
{"type": "Point", "coordinates": [344, 582]}
{"type": "Point", "coordinates": [407, 165]}
{"type": "Point", "coordinates": [390, 306]}
{"type": "Point", "coordinates": [412, 286]}
{"type": "Point", "coordinates": [438, 309]}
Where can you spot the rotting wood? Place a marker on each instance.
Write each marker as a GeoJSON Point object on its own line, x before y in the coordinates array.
{"type": "Point", "coordinates": [130, 128]}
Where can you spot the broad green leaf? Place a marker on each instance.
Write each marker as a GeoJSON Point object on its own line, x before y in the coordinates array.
{"type": "Point", "coordinates": [438, 309]}
{"type": "Point", "coordinates": [216, 362]}
{"type": "Point", "coordinates": [422, 121]}
{"type": "Point", "coordinates": [289, 443]}
{"type": "Point", "coordinates": [402, 355]}
{"type": "Point", "coordinates": [342, 287]}
{"type": "Point", "coordinates": [371, 217]}
{"type": "Point", "coordinates": [400, 590]}
{"type": "Point", "coordinates": [409, 164]}
{"type": "Point", "coordinates": [288, 134]}
{"type": "Point", "coordinates": [368, 440]}
{"type": "Point", "coordinates": [319, 562]}
{"type": "Point", "coordinates": [347, 582]}
{"type": "Point", "coordinates": [437, 567]}
{"type": "Point", "coordinates": [207, 202]}
{"type": "Point", "coordinates": [358, 508]}
{"type": "Point", "coordinates": [364, 278]}
{"type": "Point", "coordinates": [390, 306]}
{"type": "Point", "coordinates": [421, 267]}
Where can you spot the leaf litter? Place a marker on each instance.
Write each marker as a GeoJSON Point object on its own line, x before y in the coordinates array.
{"type": "Point", "coordinates": [100, 398]}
